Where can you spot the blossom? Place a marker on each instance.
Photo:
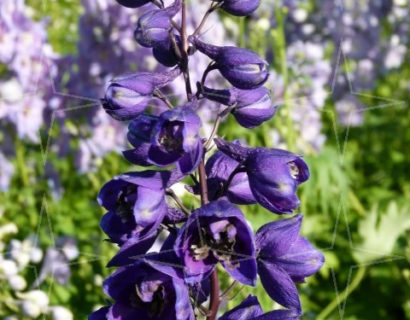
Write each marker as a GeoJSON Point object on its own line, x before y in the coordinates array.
{"type": "Point", "coordinates": [250, 107]}
{"type": "Point", "coordinates": [153, 27]}
{"type": "Point", "coordinates": [216, 232]}
{"type": "Point", "coordinates": [136, 204]}
{"type": "Point", "coordinates": [147, 291]}
{"type": "Point", "coordinates": [172, 137]}
{"type": "Point", "coordinates": [129, 95]}
{"type": "Point", "coordinates": [273, 174]}
{"type": "Point", "coordinates": [243, 68]}
{"type": "Point", "coordinates": [285, 258]}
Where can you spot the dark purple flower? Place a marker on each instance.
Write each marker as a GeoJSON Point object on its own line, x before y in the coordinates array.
{"type": "Point", "coordinates": [285, 258]}
{"type": "Point", "coordinates": [250, 107]}
{"type": "Point", "coordinates": [219, 168]}
{"type": "Point", "coordinates": [273, 174]}
{"type": "Point", "coordinates": [243, 68]}
{"type": "Point", "coordinates": [165, 52]}
{"type": "Point", "coordinates": [148, 291]}
{"type": "Point", "coordinates": [173, 137]}
{"type": "Point", "coordinates": [128, 96]}
{"type": "Point", "coordinates": [240, 7]}
{"type": "Point", "coordinates": [250, 309]}
{"type": "Point", "coordinates": [133, 3]}
{"type": "Point", "coordinates": [216, 232]}
{"type": "Point", "coordinates": [153, 27]}
{"type": "Point", "coordinates": [136, 204]}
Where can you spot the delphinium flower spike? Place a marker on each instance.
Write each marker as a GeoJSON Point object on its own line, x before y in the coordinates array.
{"type": "Point", "coordinates": [169, 255]}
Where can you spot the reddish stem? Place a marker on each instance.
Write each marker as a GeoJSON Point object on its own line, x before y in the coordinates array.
{"type": "Point", "coordinates": [214, 303]}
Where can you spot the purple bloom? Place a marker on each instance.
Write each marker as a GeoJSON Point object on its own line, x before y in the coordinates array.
{"type": "Point", "coordinates": [136, 204]}
{"type": "Point", "coordinates": [273, 174]}
{"type": "Point", "coordinates": [219, 168]}
{"type": "Point", "coordinates": [170, 138]}
{"type": "Point", "coordinates": [240, 7]}
{"type": "Point", "coordinates": [216, 232]}
{"type": "Point", "coordinates": [129, 95]}
{"type": "Point", "coordinates": [153, 27]}
{"type": "Point", "coordinates": [243, 68]}
{"type": "Point", "coordinates": [250, 107]}
{"type": "Point", "coordinates": [250, 309]}
{"type": "Point", "coordinates": [165, 52]}
{"type": "Point", "coordinates": [285, 258]}
{"type": "Point", "coordinates": [148, 291]}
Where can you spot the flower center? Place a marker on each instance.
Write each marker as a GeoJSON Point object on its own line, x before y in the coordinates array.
{"type": "Point", "coordinates": [171, 137]}
{"type": "Point", "coordinates": [150, 295]}
{"type": "Point", "coordinates": [293, 170]}
{"type": "Point", "coordinates": [219, 238]}
{"type": "Point", "coordinates": [125, 202]}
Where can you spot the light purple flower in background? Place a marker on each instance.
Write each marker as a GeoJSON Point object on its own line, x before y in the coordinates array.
{"type": "Point", "coordinates": [6, 172]}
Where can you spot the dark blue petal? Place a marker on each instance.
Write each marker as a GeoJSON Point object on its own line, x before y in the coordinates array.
{"type": "Point", "coordinates": [278, 285]}
{"type": "Point", "coordinates": [247, 310]}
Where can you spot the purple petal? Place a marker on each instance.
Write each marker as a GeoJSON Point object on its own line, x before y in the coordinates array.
{"type": "Point", "coordinates": [278, 285]}
{"type": "Point", "coordinates": [247, 310]}
{"type": "Point", "coordinates": [190, 160]}
{"type": "Point", "coordinates": [280, 315]}
{"type": "Point", "coordinates": [129, 250]}
{"type": "Point", "coordinates": [276, 238]}
{"type": "Point", "coordinates": [233, 150]}
{"type": "Point", "coordinates": [122, 311]}
{"type": "Point", "coordinates": [150, 208]}
{"type": "Point", "coordinates": [302, 260]}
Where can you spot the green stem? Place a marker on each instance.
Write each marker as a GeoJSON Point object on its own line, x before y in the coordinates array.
{"type": "Point", "coordinates": [281, 66]}
{"type": "Point", "coordinates": [22, 168]}
{"type": "Point", "coordinates": [343, 296]}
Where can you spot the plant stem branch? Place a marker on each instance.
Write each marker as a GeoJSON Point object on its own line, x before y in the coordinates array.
{"type": "Point", "coordinates": [162, 97]}
{"type": "Point", "coordinates": [213, 133]}
{"type": "Point", "coordinates": [228, 290]}
{"type": "Point", "coordinates": [211, 9]}
{"type": "Point", "coordinates": [214, 302]}
{"type": "Point", "coordinates": [343, 296]}
{"type": "Point", "coordinates": [184, 63]}
{"type": "Point", "coordinates": [179, 202]}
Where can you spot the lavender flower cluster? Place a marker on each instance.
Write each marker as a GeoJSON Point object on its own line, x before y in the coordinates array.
{"type": "Point", "coordinates": [16, 258]}
{"type": "Point", "coordinates": [176, 280]}
{"type": "Point", "coordinates": [356, 30]}
{"type": "Point", "coordinates": [26, 61]}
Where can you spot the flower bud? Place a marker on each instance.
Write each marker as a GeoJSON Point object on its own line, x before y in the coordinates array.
{"type": "Point", "coordinates": [165, 54]}
{"type": "Point", "coordinates": [128, 96]}
{"type": "Point", "coordinates": [60, 313]}
{"type": "Point", "coordinates": [240, 7]}
{"type": "Point", "coordinates": [153, 27]}
{"type": "Point", "coordinates": [17, 282]}
{"type": "Point", "coordinates": [8, 268]}
{"type": "Point", "coordinates": [133, 3]}
{"type": "Point", "coordinates": [243, 68]}
{"type": "Point", "coordinates": [252, 107]}
{"type": "Point", "coordinates": [30, 309]}
{"type": "Point", "coordinates": [37, 297]}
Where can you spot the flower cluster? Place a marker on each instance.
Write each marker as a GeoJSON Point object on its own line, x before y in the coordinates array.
{"type": "Point", "coordinates": [169, 255]}
{"type": "Point", "coordinates": [25, 90]}
{"type": "Point", "coordinates": [17, 297]}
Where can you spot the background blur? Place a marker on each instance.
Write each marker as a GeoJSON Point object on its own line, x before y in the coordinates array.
{"type": "Point", "coordinates": [341, 75]}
